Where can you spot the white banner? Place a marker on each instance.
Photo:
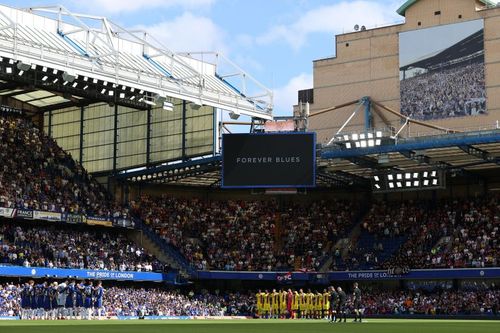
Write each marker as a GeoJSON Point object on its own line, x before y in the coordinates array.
{"type": "Point", "coordinates": [48, 216]}
{"type": "Point", "coordinates": [7, 212]}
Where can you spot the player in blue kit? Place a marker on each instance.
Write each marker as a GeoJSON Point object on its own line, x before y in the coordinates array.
{"type": "Point", "coordinates": [88, 291]}
{"type": "Point", "coordinates": [98, 295]}
{"type": "Point", "coordinates": [27, 297]}
{"type": "Point", "coordinates": [79, 298]}
{"type": "Point", "coordinates": [52, 301]}
{"type": "Point", "coordinates": [70, 303]}
{"type": "Point", "coordinates": [39, 300]}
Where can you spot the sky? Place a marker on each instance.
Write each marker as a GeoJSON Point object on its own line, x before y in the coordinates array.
{"type": "Point", "coordinates": [275, 41]}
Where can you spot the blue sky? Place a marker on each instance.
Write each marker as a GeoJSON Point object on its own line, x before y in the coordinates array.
{"type": "Point", "coordinates": [274, 40]}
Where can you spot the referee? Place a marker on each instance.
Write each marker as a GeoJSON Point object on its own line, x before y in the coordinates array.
{"type": "Point", "coordinates": [356, 295]}
{"type": "Point", "coordinates": [341, 312]}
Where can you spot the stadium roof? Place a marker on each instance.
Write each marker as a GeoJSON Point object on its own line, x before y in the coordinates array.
{"type": "Point", "coordinates": [94, 47]}
{"type": "Point", "coordinates": [402, 10]}
{"type": "Point", "coordinates": [468, 48]}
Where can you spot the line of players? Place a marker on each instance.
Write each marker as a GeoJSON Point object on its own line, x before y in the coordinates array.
{"type": "Point", "coordinates": [66, 300]}
{"type": "Point", "coordinates": [331, 304]}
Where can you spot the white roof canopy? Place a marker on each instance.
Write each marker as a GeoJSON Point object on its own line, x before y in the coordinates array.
{"type": "Point", "coordinates": [96, 47]}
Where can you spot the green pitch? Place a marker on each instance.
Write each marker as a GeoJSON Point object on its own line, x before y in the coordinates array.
{"type": "Point", "coordinates": [253, 326]}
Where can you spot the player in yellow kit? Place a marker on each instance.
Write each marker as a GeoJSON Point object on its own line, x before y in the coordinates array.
{"type": "Point", "coordinates": [310, 304]}
{"type": "Point", "coordinates": [275, 305]}
{"type": "Point", "coordinates": [302, 304]}
{"type": "Point", "coordinates": [319, 305]}
{"type": "Point", "coordinates": [283, 297]}
{"type": "Point", "coordinates": [259, 303]}
{"type": "Point", "coordinates": [266, 304]}
{"type": "Point", "coordinates": [326, 304]}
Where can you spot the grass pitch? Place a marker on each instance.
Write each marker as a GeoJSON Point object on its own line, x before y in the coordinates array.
{"type": "Point", "coordinates": [253, 326]}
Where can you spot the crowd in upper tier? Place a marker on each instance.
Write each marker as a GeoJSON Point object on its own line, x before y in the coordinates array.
{"type": "Point", "coordinates": [247, 235]}
{"type": "Point", "coordinates": [68, 247]}
{"type": "Point", "coordinates": [36, 173]}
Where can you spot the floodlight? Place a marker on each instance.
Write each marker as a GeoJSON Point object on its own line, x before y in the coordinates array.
{"type": "Point", "coordinates": [23, 67]}
{"type": "Point", "coordinates": [234, 115]}
{"type": "Point", "coordinates": [69, 77]}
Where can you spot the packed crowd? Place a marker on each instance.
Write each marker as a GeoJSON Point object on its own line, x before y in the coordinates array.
{"type": "Point", "coordinates": [37, 174]}
{"type": "Point", "coordinates": [448, 234]}
{"type": "Point", "coordinates": [450, 92]}
{"type": "Point", "coordinates": [246, 235]}
{"type": "Point", "coordinates": [131, 301]}
{"type": "Point", "coordinates": [70, 299]}
{"type": "Point", "coordinates": [158, 302]}
{"type": "Point", "coordinates": [436, 303]}
{"type": "Point", "coordinates": [58, 247]}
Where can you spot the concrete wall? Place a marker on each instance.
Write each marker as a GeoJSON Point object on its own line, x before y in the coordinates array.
{"type": "Point", "coordinates": [367, 64]}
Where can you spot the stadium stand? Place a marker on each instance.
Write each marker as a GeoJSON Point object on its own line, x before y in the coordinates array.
{"type": "Point", "coordinates": [42, 176]}
{"type": "Point", "coordinates": [450, 234]}
{"type": "Point", "coordinates": [39, 245]}
{"type": "Point", "coordinates": [247, 235]}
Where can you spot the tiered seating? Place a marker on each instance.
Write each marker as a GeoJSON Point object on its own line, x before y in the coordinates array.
{"type": "Point", "coordinates": [70, 247]}
{"type": "Point", "coordinates": [231, 235]}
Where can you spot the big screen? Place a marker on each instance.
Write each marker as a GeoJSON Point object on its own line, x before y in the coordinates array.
{"type": "Point", "coordinates": [442, 71]}
{"type": "Point", "coordinates": [268, 160]}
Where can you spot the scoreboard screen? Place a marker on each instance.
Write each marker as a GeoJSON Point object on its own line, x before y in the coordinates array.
{"type": "Point", "coordinates": [271, 160]}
